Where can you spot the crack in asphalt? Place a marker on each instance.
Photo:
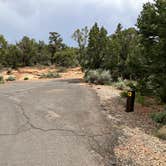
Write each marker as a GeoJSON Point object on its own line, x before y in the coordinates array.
{"type": "Point", "coordinates": [32, 126]}
{"type": "Point", "coordinates": [106, 153]}
{"type": "Point", "coordinates": [56, 129]}
{"type": "Point", "coordinates": [98, 142]}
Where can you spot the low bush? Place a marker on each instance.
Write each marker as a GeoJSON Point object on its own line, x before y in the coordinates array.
{"type": "Point", "coordinates": [50, 75]}
{"type": "Point", "coordinates": [132, 85]}
{"type": "Point", "coordinates": [161, 93]}
{"type": "Point", "coordinates": [121, 84]}
{"type": "Point", "coordinates": [1, 80]}
{"type": "Point", "coordinates": [140, 99]}
{"type": "Point", "coordinates": [159, 117]}
{"type": "Point", "coordinates": [26, 78]}
{"type": "Point", "coordinates": [124, 94]}
{"type": "Point", "coordinates": [11, 78]}
{"type": "Point", "coordinates": [125, 85]}
{"type": "Point", "coordinates": [98, 77]}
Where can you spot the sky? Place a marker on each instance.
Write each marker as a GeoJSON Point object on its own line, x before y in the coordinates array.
{"type": "Point", "coordinates": [36, 18]}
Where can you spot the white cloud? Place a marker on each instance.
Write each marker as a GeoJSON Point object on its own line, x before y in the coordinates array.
{"type": "Point", "coordinates": [37, 17]}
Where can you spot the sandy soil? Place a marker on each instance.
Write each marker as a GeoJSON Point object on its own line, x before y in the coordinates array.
{"type": "Point", "coordinates": [33, 73]}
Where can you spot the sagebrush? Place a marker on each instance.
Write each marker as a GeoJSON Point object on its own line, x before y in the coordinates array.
{"type": "Point", "coordinates": [11, 78]}
{"type": "Point", "coordinates": [98, 77]}
{"type": "Point", "coordinates": [50, 75]}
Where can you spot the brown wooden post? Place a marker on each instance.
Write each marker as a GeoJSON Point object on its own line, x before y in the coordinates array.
{"type": "Point", "coordinates": [130, 101]}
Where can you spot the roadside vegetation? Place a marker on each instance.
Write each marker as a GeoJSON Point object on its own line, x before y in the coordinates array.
{"type": "Point", "coordinates": [101, 77]}
{"type": "Point", "coordinates": [159, 117]}
{"type": "Point", "coordinates": [26, 78]}
{"type": "Point", "coordinates": [1, 79]}
{"type": "Point", "coordinates": [129, 54]}
{"type": "Point", "coordinates": [11, 78]}
{"type": "Point", "coordinates": [50, 75]}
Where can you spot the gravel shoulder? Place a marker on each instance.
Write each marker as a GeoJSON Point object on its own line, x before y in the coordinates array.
{"type": "Point", "coordinates": [136, 143]}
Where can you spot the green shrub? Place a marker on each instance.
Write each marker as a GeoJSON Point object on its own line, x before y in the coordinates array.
{"type": "Point", "coordinates": [161, 93]}
{"type": "Point", "coordinates": [66, 58]}
{"type": "Point", "coordinates": [26, 78]}
{"type": "Point", "coordinates": [145, 87]}
{"type": "Point", "coordinates": [159, 117]}
{"type": "Point", "coordinates": [125, 84]}
{"type": "Point", "coordinates": [1, 80]}
{"type": "Point", "coordinates": [140, 99]}
{"type": "Point", "coordinates": [50, 75]}
{"type": "Point", "coordinates": [98, 77]}
{"type": "Point", "coordinates": [11, 78]}
{"type": "Point", "coordinates": [132, 85]}
{"type": "Point", "coordinates": [115, 74]}
{"type": "Point", "coordinates": [91, 76]}
{"type": "Point", "coordinates": [124, 94]}
{"type": "Point", "coordinates": [155, 86]}
{"type": "Point", "coordinates": [105, 77]}
{"type": "Point", "coordinates": [121, 84]}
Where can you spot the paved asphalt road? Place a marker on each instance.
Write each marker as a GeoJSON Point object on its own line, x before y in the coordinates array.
{"type": "Point", "coordinates": [49, 123]}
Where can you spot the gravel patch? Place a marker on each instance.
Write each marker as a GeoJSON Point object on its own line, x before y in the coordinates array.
{"type": "Point", "coordinates": [136, 143]}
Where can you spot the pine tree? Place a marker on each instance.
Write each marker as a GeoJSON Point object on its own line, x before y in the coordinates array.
{"type": "Point", "coordinates": [152, 27]}
{"type": "Point", "coordinates": [97, 47]}
{"type": "Point", "coordinates": [55, 44]}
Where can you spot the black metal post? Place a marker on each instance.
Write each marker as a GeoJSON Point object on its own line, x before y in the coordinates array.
{"type": "Point", "coordinates": [130, 101]}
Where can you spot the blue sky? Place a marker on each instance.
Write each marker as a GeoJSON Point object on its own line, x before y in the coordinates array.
{"type": "Point", "coordinates": [36, 18]}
